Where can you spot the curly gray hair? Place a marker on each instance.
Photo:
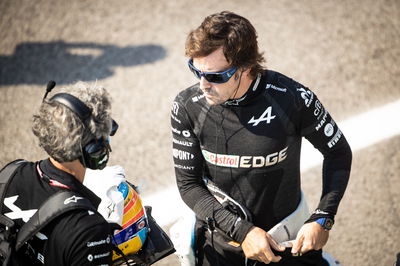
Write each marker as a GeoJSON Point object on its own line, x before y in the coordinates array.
{"type": "Point", "coordinates": [61, 132]}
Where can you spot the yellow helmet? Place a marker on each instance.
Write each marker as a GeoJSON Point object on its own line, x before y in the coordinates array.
{"type": "Point", "coordinates": [133, 234]}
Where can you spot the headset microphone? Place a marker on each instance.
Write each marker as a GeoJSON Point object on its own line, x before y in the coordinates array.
{"type": "Point", "coordinates": [50, 85]}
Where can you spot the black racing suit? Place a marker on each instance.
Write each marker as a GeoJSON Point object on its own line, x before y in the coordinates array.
{"type": "Point", "coordinates": [79, 237]}
{"type": "Point", "coordinates": [250, 148]}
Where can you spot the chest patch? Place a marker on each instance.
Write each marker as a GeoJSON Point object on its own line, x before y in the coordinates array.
{"type": "Point", "coordinates": [245, 161]}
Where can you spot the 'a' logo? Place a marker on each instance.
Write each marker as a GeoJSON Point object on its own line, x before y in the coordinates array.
{"type": "Point", "coordinates": [266, 116]}
{"type": "Point", "coordinates": [16, 212]}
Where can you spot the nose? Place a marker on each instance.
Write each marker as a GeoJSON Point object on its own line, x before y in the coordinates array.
{"type": "Point", "coordinates": [204, 84]}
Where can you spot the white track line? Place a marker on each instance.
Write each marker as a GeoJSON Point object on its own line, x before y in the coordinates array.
{"type": "Point", "coordinates": [360, 131]}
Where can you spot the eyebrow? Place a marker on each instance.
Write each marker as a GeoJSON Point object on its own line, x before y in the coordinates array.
{"type": "Point", "coordinates": [218, 71]}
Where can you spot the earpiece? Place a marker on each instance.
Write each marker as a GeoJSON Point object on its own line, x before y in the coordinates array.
{"type": "Point", "coordinates": [94, 154]}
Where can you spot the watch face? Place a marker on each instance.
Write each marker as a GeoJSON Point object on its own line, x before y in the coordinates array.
{"type": "Point", "coordinates": [328, 224]}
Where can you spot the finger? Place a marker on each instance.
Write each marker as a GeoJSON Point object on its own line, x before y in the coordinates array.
{"type": "Point", "coordinates": [275, 245]}
{"type": "Point", "coordinates": [267, 260]}
{"type": "Point", "coordinates": [307, 246]}
{"type": "Point", "coordinates": [271, 256]}
{"type": "Point", "coordinates": [297, 244]}
{"type": "Point", "coordinates": [263, 259]}
{"type": "Point", "coordinates": [266, 255]}
{"type": "Point", "coordinates": [276, 259]}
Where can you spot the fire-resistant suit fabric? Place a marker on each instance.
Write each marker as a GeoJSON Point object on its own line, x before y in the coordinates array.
{"type": "Point", "coordinates": [250, 148]}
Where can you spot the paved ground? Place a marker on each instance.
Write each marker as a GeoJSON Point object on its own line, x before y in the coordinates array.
{"type": "Point", "coordinates": [347, 52]}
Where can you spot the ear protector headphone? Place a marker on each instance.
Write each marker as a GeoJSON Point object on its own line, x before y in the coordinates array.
{"type": "Point", "coordinates": [95, 154]}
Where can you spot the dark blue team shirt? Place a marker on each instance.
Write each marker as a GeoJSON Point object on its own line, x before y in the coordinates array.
{"type": "Point", "coordinates": [250, 148]}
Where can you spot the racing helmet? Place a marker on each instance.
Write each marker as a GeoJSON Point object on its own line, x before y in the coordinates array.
{"type": "Point", "coordinates": [135, 226]}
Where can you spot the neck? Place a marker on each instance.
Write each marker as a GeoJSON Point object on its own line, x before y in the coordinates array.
{"type": "Point", "coordinates": [74, 168]}
{"type": "Point", "coordinates": [244, 84]}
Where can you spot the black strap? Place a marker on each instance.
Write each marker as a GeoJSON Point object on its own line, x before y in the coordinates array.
{"type": "Point", "coordinates": [58, 204]}
{"type": "Point", "coordinates": [5, 178]}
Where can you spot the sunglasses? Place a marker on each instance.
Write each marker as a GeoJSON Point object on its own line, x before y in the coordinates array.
{"type": "Point", "coordinates": [213, 77]}
{"type": "Point", "coordinates": [114, 127]}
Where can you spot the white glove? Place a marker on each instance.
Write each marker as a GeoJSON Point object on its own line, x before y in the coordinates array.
{"type": "Point", "coordinates": [104, 183]}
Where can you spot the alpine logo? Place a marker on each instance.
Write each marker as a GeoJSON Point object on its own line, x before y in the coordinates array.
{"type": "Point", "coordinates": [72, 199]}
{"type": "Point", "coordinates": [266, 116]}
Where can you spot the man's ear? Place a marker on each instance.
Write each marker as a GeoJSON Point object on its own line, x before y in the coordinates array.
{"type": "Point", "coordinates": [242, 72]}
{"type": "Point", "coordinates": [246, 71]}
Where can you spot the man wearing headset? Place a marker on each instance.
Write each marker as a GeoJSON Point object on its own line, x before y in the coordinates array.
{"type": "Point", "coordinates": [74, 129]}
{"type": "Point", "coordinates": [240, 129]}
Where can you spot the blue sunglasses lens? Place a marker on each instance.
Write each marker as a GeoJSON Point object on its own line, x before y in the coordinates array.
{"type": "Point", "coordinates": [217, 78]}
{"type": "Point", "coordinates": [212, 77]}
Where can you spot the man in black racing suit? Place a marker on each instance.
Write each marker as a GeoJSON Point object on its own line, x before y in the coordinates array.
{"type": "Point", "coordinates": [66, 129]}
{"type": "Point", "coordinates": [241, 127]}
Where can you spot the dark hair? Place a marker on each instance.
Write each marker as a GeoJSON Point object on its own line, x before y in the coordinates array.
{"type": "Point", "coordinates": [232, 32]}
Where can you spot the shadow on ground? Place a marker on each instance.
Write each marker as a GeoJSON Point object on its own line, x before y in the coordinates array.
{"type": "Point", "coordinates": [38, 62]}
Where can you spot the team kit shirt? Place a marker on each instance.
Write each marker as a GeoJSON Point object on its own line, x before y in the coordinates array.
{"type": "Point", "coordinates": [79, 237]}
{"type": "Point", "coordinates": [250, 149]}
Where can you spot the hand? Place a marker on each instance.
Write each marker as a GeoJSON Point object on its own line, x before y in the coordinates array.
{"type": "Point", "coordinates": [257, 246]}
{"type": "Point", "coordinates": [310, 236]}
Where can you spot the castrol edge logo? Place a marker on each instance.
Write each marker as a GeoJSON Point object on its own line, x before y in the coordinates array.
{"type": "Point", "coordinates": [236, 161]}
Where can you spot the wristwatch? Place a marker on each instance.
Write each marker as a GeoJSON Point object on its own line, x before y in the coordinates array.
{"type": "Point", "coordinates": [326, 223]}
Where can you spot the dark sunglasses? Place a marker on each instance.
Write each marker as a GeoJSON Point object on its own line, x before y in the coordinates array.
{"type": "Point", "coordinates": [114, 127]}
{"type": "Point", "coordinates": [213, 77]}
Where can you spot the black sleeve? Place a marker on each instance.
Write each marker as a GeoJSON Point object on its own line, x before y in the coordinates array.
{"type": "Point", "coordinates": [318, 127]}
{"type": "Point", "coordinates": [83, 238]}
{"type": "Point", "coordinates": [188, 162]}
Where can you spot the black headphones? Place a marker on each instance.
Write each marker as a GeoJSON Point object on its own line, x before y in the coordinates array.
{"type": "Point", "coordinates": [95, 154]}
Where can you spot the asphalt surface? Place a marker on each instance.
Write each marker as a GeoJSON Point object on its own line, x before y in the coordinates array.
{"type": "Point", "coordinates": [347, 52]}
